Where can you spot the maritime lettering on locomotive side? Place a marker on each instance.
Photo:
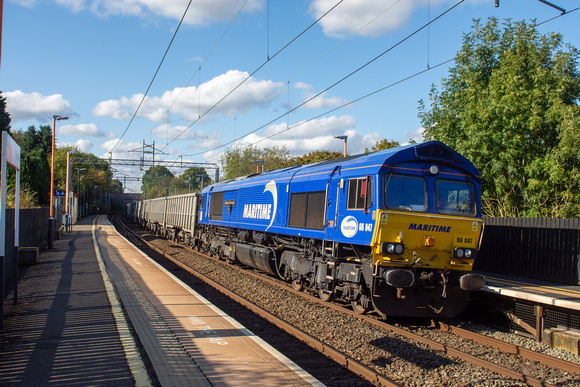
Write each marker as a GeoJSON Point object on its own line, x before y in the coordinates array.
{"type": "Point", "coordinates": [429, 227]}
{"type": "Point", "coordinates": [257, 211]}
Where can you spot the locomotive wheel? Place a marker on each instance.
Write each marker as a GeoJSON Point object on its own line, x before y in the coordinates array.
{"type": "Point", "coordinates": [297, 285]}
{"type": "Point", "coordinates": [325, 295]}
{"type": "Point", "coordinates": [358, 307]}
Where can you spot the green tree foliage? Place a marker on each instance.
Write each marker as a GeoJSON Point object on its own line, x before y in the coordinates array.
{"type": "Point", "coordinates": [510, 104]}
{"type": "Point", "coordinates": [35, 162]}
{"type": "Point", "coordinates": [383, 144]}
{"type": "Point", "coordinates": [315, 157]}
{"type": "Point", "coordinates": [194, 179]}
{"type": "Point", "coordinates": [4, 115]}
{"type": "Point", "coordinates": [157, 182]}
{"type": "Point", "coordinates": [242, 161]}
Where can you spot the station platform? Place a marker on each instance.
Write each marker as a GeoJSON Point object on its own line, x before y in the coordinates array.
{"type": "Point", "coordinates": [536, 291]}
{"type": "Point", "coordinates": [94, 304]}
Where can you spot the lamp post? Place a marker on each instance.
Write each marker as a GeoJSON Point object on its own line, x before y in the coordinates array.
{"type": "Point", "coordinates": [343, 138]}
{"type": "Point", "coordinates": [67, 205]}
{"type": "Point", "coordinates": [51, 204]}
{"type": "Point", "coordinates": [79, 190]}
{"type": "Point", "coordinates": [258, 162]}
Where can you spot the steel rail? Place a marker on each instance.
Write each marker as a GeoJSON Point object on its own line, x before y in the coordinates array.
{"type": "Point", "coordinates": [334, 354]}
{"type": "Point", "coordinates": [516, 375]}
{"type": "Point", "coordinates": [525, 353]}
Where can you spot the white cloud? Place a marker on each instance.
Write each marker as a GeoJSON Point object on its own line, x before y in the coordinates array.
{"type": "Point", "coordinates": [84, 130]}
{"type": "Point", "coordinates": [25, 3]}
{"type": "Point", "coordinates": [326, 126]}
{"type": "Point", "coordinates": [35, 106]}
{"type": "Point", "coordinates": [416, 135]}
{"type": "Point", "coordinates": [190, 102]}
{"type": "Point", "coordinates": [377, 17]}
{"type": "Point", "coordinates": [201, 12]}
{"type": "Point", "coordinates": [84, 145]}
{"type": "Point", "coordinates": [114, 109]}
{"type": "Point", "coordinates": [321, 101]}
{"type": "Point", "coordinates": [184, 133]}
{"type": "Point", "coordinates": [314, 135]}
{"type": "Point", "coordinates": [123, 150]}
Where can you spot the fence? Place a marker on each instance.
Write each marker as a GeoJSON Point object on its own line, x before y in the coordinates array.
{"type": "Point", "coordinates": [541, 248]}
{"type": "Point", "coordinates": [33, 233]}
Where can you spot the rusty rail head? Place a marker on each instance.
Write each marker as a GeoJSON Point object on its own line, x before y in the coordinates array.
{"type": "Point", "coordinates": [525, 353]}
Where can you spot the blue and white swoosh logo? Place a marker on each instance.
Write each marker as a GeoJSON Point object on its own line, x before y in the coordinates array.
{"type": "Point", "coordinates": [271, 187]}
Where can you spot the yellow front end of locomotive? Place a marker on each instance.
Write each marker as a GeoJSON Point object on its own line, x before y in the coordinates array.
{"type": "Point", "coordinates": [424, 240]}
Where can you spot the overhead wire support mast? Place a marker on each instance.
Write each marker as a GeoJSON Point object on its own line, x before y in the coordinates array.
{"type": "Point", "coordinates": [149, 163]}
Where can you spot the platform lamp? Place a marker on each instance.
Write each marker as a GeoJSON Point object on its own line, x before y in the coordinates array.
{"type": "Point", "coordinates": [79, 189]}
{"type": "Point", "coordinates": [51, 205]}
{"type": "Point", "coordinates": [343, 138]}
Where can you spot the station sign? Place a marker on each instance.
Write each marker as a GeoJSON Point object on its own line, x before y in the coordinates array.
{"type": "Point", "coordinates": [60, 193]}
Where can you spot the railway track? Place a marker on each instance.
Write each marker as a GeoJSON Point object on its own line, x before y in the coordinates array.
{"type": "Point", "coordinates": [431, 352]}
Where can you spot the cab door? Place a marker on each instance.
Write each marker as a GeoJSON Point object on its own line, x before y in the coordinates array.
{"type": "Point", "coordinates": [354, 218]}
{"type": "Point", "coordinates": [333, 202]}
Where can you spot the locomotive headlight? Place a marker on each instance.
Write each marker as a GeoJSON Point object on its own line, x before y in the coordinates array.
{"type": "Point", "coordinates": [459, 253]}
{"type": "Point", "coordinates": [468, 253]}
{"type": "Point", "coordinates": [399, 249]}
{"type": "Point", "coordinates": [433, 169]}
{"type": "Point", "coordinates": [392, 248]}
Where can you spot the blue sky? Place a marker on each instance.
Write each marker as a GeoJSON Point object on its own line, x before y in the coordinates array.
{"type": "Point", "coordinates": [92, 60]}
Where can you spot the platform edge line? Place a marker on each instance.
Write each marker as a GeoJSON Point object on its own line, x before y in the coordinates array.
{"type": "Point", "coordinates": [132, 355]}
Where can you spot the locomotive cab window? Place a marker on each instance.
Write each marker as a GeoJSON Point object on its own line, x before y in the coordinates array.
{"type": "Point", "coordinates": [455, 197]}
{"type": "Point", "coordinates": [405, 193]}
{"type": "Point", "coordinates": [217, 206]}
{"type": "Point", "coordinates": [359, 190]}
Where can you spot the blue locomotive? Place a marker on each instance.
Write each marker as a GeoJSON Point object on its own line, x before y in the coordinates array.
{"type": "Point", "coordinates": [396, 231]}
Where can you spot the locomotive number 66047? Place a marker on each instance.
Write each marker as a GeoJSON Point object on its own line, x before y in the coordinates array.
{"type": "Point", "coordinates": [396, 231]}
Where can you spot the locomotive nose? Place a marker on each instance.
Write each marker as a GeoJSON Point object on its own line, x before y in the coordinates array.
{"type": "Point", "coordinates": [472, 282]}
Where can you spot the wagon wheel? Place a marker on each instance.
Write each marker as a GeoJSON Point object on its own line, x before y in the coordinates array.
{"type": "Point", "coordinates": [325, 295]}
{"type": "Point", "coordinates": [297, 285]}
{"type": "Point", "coordinates": [358, 305]}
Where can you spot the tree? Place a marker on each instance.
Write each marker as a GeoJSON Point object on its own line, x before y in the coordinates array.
{"type": "Point", "coordinates": [383, 144]}
{"type": "Point", "coordinates": [241, 161]}
{"type": "Point", "coordinates": [4, 115]}
{"type": "Point", "coordinates": [35, 148]}
{"type": "Point", "coordinates": [195, 178]}
{"type": "Point", "coordinates": [510, 105]}
{"type": "Point", "coordinates": [156, 181]}
{"type": "Point", "coordinates": [315, 157]}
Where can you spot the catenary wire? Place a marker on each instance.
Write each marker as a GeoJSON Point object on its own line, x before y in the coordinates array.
{"type": "Point", "coordinates": [196, 72]}
{"type": "Point", "coordinates": [340, 80]}
{"type": "Point", "coordinates": [202, 63]}
{"type": "Point", "coordinates": [304, 69]}
{"type": "Point", "coordinates": [356, 100]}
{"type": "Point", "coordinates": [254, 72]}
{"type": "Point", "coordinates": [154, 76]}
{"type": "Point", "coordinates": [351, 102]}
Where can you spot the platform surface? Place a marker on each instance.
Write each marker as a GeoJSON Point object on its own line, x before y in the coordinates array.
{"type": "Point", "coordinates": [78, 307]}
{"type": "Point", "coordinates": [537, 291]}
{"type": "Point", "coordinates": [218, 347]}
